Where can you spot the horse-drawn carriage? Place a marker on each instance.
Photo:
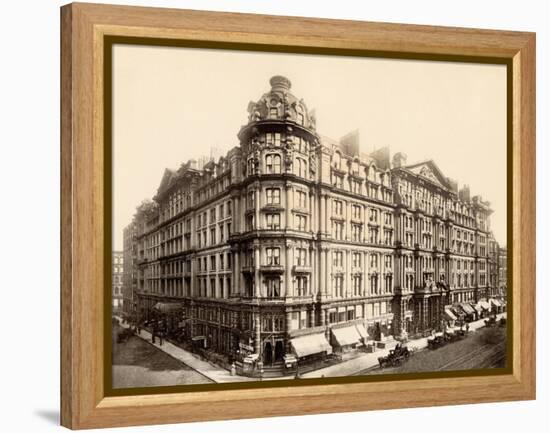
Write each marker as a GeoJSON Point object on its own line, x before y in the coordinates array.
{"type": "Point", "coordinates": [124, 335]}
{"type": "Point", "coordinates": [437, 341]}
{"type": "Point", "coordinates": [395, 357]}
{"type": "Point", "coordinates": [490, 322]}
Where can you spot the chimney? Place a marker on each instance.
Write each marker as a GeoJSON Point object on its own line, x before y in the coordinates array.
{"type": "Point", "coordinates": [399, 160]}
{"type": "Point", "coordinates": [464, 193]}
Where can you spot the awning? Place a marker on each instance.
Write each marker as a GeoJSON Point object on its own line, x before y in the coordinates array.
{"type": "Point", "coordinates": [310, 344]}
{"type": "Point", "coordinates": [477, 308]}
{"type": "Point", "coordinates": [198, 338]}
{"type": "Point", "coordinates": [485, 305]}
{"type": "Point", "coordinates": [450, 314]}
{"type": "Point", "coordinates": [496, 302]}
{"type": "Point", "coordinates": [168, 307]}
{"type": "Point", "coordinates": [467, 308]}
{"type": "Point", "coordinates": [362, 331]}
{"type": "Point", "coordinates": [346, 336]}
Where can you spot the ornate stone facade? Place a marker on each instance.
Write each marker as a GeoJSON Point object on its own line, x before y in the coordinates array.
{"type": "Point", "coordinates": [292, 234]}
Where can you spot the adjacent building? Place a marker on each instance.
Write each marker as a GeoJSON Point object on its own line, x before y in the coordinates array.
{"type": "Point", "coordinates": [295, 242]}
{"type": "Point", "coordinates": [502, 272]}
{"type": "Point", "coordinates": [117, 280]}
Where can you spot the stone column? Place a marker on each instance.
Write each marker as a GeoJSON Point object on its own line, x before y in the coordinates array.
{"type": "Point", "coordinates": [289, 290]}
{"type": "Point", "coordinates": [322, 272]}
{"type": "Point", "coordinates": [347, 221]}
{"type": "Point", "coordinates": [257, 196]}
{"type": "Point", "coordinates": [288, 206]}
{"type": "Point", "coordinates": [347, 274]}
{"type": "Point", "coordinates": [257, 333]}
{"type": "Point", "coordinates": [257, 285]}
{"type": "Point", "coordinates": [365, 281]}
{"type": "Point", "coordinates": [312, 265]}
{"type": "Point", "coordinates": [322, 216]}
{"type": "Point", "coordinates": [235, 289]}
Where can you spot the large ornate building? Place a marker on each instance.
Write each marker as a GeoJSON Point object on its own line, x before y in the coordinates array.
{"type": "Point", "coordinates": [293, 241]}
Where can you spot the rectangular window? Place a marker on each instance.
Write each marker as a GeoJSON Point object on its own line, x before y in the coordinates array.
{"type": "Point", "coordinates": [273, 221]}
{"type": "Point", "coordinates": [337, 207]}
{"type": "Point", "coordinates": [300, 257]}
{"type": "Point", "coordinates": [272, 256]}
{"type": "Point", "coordinates": [273, 287]}
{"type": "Point", "coordinates": [300, 222]}
{"type": "Point", "coordinates": [273, 195]}
{"type": "Point", "coordinates": [337, 258]}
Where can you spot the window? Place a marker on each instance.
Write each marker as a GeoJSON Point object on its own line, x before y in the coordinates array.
{"type": "Point", "coordinates": [300, 222]}
{"type": "Point", "coordinates": [272, 164]}
{"type": "Point", "coordinates": [356, 233]}
{"type": "Point", "coordinates": [356, 212]}
{"type": "Point", "coordinates": [229, 208]}
{"type": "Point", "coordinates": [388, 262]}
{"type": "Point", "coordinates": [373, 235]}
{"type": "Point", "coordinates": [302, 197]}
{"type": "Point", "coordinates": [337, 181]}
{"type": "Point", "coordinates": [273, 113]}
{"type": "Point", "coordinates": [300, 257]}
{"type": "Point", "coordinates": [273, 286]}
{"type": "Point", "coordinates": [301, 286]}
{"type": "Point", "coordinates": [272, 256]}
{"type": "Point", "coordinates": [337, 207]}
{"type": "Point", "coordinates": [221, 261]}
{"type": "Point", "coordinates": [339, 286]}
{"type": "Point", "coordinates": [273, 195]}
{"type": "Point", "coordinates": [356, 260]}
{"type": "Point", "coordinates": [374, 260]}
{"type": "Point", "coordinates": [250, 222]}
{"type": "Point", "coordinates": [251, 199]}
{"type": "Point", "coordinates": [212, 236]}
{"type": "Point", "coordinates": [356, 288]}
{"type": "Point", "coordinates": [338, 230]}
{"type": "Point", "coordinates": [273, 221]}
{"type": "Point", "coordinates": [301, 167]}
{"type": "Point", "coordinates": [337, 258]}
{"type": "Point", "coordinates": [373, 216]}
{"type": "Point", "coordinates": [213, 263]}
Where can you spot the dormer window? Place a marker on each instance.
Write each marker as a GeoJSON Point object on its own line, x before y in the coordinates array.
{"type": "Point", "coordinates": [273, 113]}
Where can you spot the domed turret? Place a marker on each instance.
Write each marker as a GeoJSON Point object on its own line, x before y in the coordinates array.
{"type": "Point", "coordinates": [280, 104]}
{"type": "Point", "coordinates": [280, 136]}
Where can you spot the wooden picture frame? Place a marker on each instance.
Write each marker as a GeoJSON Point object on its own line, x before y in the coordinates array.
{"type": "Point", "coordinates": [84, 30]}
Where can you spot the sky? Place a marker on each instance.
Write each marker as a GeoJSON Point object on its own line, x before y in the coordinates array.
{"type": "Point", "coordinates": [173, 104]}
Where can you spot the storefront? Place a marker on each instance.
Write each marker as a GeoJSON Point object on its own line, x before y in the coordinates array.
{"type": "Point", "coordinates": [310, 345]}
{"type": "Point", "coordinates": [345, 338]}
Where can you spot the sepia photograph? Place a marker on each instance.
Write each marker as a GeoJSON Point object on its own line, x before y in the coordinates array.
{"type": "Point", "coordinates": [280, 216]}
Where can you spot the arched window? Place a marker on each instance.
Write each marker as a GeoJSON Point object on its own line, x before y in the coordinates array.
{"type": "Point", "coordinates": [273, 163]}
{"type": "Point", "coordinates": [301, 167]}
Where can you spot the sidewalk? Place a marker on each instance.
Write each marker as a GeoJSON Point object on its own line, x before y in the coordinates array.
{"type": "Point", "coordinates": [345, 368]}
{"type": "Point", "coordinates": [212, 372]}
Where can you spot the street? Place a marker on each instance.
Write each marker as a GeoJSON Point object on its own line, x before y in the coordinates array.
{"type": "Point", "coordinates": [137, 363]}
{"type": "Point", "coordinates": [485, 348]}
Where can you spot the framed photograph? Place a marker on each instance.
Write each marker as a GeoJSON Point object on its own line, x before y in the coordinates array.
{"type": "Point", "coordinates": [267, 216]}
